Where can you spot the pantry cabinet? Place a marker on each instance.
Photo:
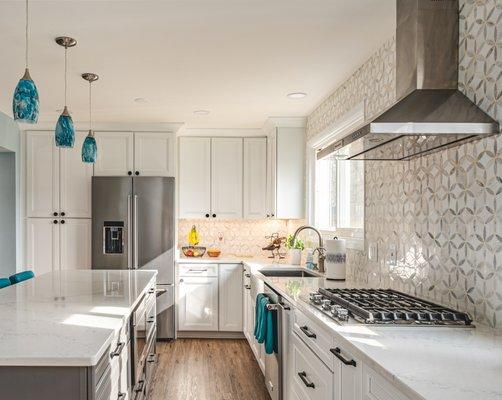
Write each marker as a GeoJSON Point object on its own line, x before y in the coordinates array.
{"type": "Point", "coordinates": [230, 298]}
{"type": "Point", "coordinates": [56, 244]}
{"type": "Point", "coordinates": [138, 153]}
{"type": "Point", "coordinates": [58, 183]}
{"type": "Point", "coordinates": [255, 178]}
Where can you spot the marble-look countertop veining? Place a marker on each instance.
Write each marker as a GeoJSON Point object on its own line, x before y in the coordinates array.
{"type": "Point", "coordinates": [67, 318]}
{"type": "Point", "coordinates": [432, 363]}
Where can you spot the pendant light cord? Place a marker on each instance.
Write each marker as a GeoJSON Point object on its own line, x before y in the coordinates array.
{"type": "Point", "coordinates": [90, 105]}
{"type": "Point", "coordinates": [26, 36]}
{"type": "Point", "coordinates": [65, 72]}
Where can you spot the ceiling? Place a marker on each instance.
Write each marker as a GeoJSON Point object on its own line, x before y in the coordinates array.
{"type": "Point", "coordinates": [236, 58]}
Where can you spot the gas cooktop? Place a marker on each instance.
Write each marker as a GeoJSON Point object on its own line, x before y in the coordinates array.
{"type": "Point", "coordinates": [385, 307]}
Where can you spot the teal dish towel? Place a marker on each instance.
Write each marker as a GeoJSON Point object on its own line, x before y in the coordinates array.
{"type": "Point", "coordinates": [4, 282]}
{"type": "Point", "coordinates": [260, 331]}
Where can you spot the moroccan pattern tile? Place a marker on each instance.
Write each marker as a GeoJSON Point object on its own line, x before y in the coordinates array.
{"type": "Point", "coordinates": [444, 210]}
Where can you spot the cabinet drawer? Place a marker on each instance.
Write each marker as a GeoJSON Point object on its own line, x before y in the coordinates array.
{"type": "Point", "coordinates": [198, 270]}
{"type": "Point", "coordinates": [312, 379]}
{"type": "Point", "coordinates": [314, 336]}
{"type": "Point", "coordinates": [376, 387]}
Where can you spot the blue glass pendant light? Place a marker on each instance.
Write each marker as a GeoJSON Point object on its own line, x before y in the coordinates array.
{"type": "Point", "coordinates": [25, 103]}
{"type": "Point", "coordinates": [89, 148]}
{"type": "Point", "coordinates": [65, 131]}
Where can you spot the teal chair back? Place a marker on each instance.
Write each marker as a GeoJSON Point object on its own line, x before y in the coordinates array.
{"type": "Point", "coordinates": [21, 276]}
{"type": "Point", "coordinates": [4, 282]}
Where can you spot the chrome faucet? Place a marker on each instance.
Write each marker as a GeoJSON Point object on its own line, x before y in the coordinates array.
{"type": "Point", "coordinates": [319, 249]}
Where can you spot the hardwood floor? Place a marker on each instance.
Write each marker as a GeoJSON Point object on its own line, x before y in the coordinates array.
{"type": "Point", "coordinates": [207, 369]}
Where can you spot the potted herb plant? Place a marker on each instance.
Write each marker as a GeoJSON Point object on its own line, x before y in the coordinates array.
{"type": "Point", "coordinates": [295, 249]}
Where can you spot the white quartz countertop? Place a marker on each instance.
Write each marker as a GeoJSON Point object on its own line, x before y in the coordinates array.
{"type": "Point", "coordinates": [67, 318]}
{"type": "Point", "coordinates": [432, 363]}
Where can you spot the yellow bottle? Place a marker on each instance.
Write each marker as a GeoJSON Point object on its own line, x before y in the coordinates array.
{"type": "Point", "coordinates": [193, 237]}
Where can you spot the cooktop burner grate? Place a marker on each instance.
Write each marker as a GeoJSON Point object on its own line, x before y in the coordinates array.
{"type": "Point", "coordinates": [387, 306]}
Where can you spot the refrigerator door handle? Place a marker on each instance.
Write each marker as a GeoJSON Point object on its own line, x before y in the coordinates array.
{"type": "Point", "coordinates": [129, 231]}
{"type": "Point", "coordinates": [136, 225]}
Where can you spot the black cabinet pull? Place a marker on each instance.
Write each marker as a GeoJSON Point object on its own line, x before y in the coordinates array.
{"type": "Point", "coordinates": [55, 221]}
{"type": "Point", "coordinates": [139, 387]}
{"type": "Point", "coordinates": [273, 215]}
{"type": "Point", "coordinates": [62, 221]}
{"type": "Point", "coordinates": [306, 382]}
{"type": "Point", "coordinates": [338, 353]}
{"type": "Point", "coordinates": [150, 320]}
{"type": "Point", "coordinates": [118, 350]}
{"type": "Point", "coordinates": [305, 329]}
{"type": "Point", "coordinates": [152, 290]}
{"type": "Point", "coordinates": [55, 214]}
{"type": "Point", "coordinates": [121, 396]}
{"type": "Point", "coordinates": [207, 215]}
{"type": "Point", "coordinates": [152, 359]}
{"type": "Point", "coordinates": [214, 215]}
{"type": "Point", "coordinates": [247, 275]}
{"type": "Point", "coordinates": [63, 214]}
{"type": "Point", "coordinates": [247, 287]}
{"type": "Point", "coordinates": [129, 172]}
{"type": "Point", "coordinates": [136, 173]}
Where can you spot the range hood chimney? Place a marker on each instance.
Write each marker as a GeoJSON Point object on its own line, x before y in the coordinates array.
{"type": "Point", "coordinates": [430, 112]}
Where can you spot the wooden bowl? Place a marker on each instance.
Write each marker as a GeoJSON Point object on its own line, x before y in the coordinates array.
{"type": "Point", "coordinates": [213, 252]}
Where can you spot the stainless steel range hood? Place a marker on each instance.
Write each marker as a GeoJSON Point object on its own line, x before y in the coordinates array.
{"type": "Point", "coordinates": [430, 113]}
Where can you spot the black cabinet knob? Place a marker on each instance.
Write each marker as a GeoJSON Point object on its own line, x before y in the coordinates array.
{"type": "Point", "coordinates": [55, 221]}
{"type": "Point", "coordinates": [55, 214]}
{"type": "Point", "coordinates": [207, 215]}
{"type": "Point", "coordinates": [136, 173]}
{"type": "Point", "coordinates": [63, 214]}
{"type": "Point", "coordinates": [62, 221]}
{"type": "Point", "coordinates": [214, 215]}
{"type": "Point", "coordinates": [129, 172]}
{"type": "Point", "coordinates": [273, 215]}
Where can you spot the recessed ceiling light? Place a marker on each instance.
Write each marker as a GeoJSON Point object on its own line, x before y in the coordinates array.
{"type": "Point", "coordinates": [297, 95]}
{"type": "Point", "coordinates": [140, 100]}
{"type": "Point", "coordinates": [201, 112]}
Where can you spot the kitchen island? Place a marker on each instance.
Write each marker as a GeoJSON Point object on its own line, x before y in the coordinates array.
{"type": "Point", "coordinates": [67, 334]}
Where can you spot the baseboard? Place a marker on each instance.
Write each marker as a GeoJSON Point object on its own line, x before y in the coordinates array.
{"type": "Point", "coordinates": [210, 335]}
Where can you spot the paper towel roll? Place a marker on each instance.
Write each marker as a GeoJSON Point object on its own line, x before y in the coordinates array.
{"type": "Point", "coordinates": [336, 257]}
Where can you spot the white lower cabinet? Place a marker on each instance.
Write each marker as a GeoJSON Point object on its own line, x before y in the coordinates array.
{"type": "Point", "coordinates": [230, 297]}
{"type": "Point", "coordinates": [198, 304]}
{"type": "Point", "coordinates": [53, 244]}
{"type": "Point", "coordinates": [376, 387]}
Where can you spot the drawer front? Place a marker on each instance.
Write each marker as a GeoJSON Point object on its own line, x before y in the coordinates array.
{"type": "Point", "coordinates": [314, 336]}
{"type": "Point", "coordinates": [376, 387]}
{"type": "Point", "coordinates": [198, 270]}
{"type": "Point", "coordinates": [312, 379]}
{"type": "Point", "coordinates": [351, 371]}
{"type": "Point", "coordinates": [151, 316]}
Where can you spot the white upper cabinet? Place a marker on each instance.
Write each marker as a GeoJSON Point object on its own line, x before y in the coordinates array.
{"type": "Point", "coordinates": [75, 243]}
{"type": "Point", "coordinates": [255, 178]}
{"type": "Point", "coordinates": [194, 177]}
{"type": "Point", "coordinates": [42, 245]}
{"type": "Point", "coordinates": [42, 174]}
{"type": "Point", "coordinates": [154, 153]}
{"type": "Point", "coordinates": [115, 153]}
{"type": "Point", "coordinates": [140, 153]}
{"type": "Point", "coordinates": [230, 298]}
{"type": "Point", "coordinates": [75, 181]}
{"type": "Point", "coordinates": [286, 173]}
{"type": "Point", "coordinates": [226, 178]}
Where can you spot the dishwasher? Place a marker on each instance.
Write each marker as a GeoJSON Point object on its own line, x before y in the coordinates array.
{"type": "Point", "coordinates": [276, 364]}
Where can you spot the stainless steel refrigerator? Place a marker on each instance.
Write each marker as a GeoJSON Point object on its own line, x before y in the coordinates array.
{"type": "Point", "coordinates": [133, 228]}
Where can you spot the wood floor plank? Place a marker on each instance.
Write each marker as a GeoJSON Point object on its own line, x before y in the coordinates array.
{"type": "Point", "coordinates": [207, 369]}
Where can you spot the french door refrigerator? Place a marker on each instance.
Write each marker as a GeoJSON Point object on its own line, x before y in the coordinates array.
{"type": "Point", "coordinates": [133, 228]}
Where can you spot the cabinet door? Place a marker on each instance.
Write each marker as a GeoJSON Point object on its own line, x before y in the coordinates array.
{"type": "Point", "coordinates": [230, 296]}
{"type": "Point", "coordinates": [42, 175]}
{"type": "Point", "coordinates": [75, 181]}
{"type": "Point", "coordinates": [351, 379]}
{"type": "Point", "coordinates": [75, 243]}
{"type": "Point", "coordinates": [255, 178]}
{"type": "Point", "coordinates": [271, 172]}
{"type": "Point", "coordinates": [42, 245]}
{"type": "Point", "coordinates": [154, 153]}
{"type": "Point", "coordinates": [226, 178]}
{"type": "Point", "coordinates": [195, 177]}
{"type": "Point", "coordinates": [115, 153]}
{"type": "Point", "coordinates": [198, 304]}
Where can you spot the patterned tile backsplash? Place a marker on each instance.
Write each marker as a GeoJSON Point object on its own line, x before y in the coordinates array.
{"type": "Point", "coordinates": [443, 211]}
{"type": "Point", "coordinates": [243, 238]}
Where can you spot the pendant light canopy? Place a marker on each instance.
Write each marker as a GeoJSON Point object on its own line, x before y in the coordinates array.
{"type": "Point", "coordinates": [25, 103]}
{"type": "Point", "coordinates": [65, 131]}
{"type": "Point", "coordinates": [89, 148]}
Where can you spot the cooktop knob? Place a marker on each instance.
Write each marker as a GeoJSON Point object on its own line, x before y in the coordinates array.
{"type": "Point", "coordinates": [326, 304]}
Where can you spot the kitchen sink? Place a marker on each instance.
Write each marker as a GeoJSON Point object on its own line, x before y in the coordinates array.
{"type": "Point", "coordinates": [288, 273]}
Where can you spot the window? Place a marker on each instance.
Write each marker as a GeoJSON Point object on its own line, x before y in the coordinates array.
{"type": "Point", "coordinates": [339, 196]}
